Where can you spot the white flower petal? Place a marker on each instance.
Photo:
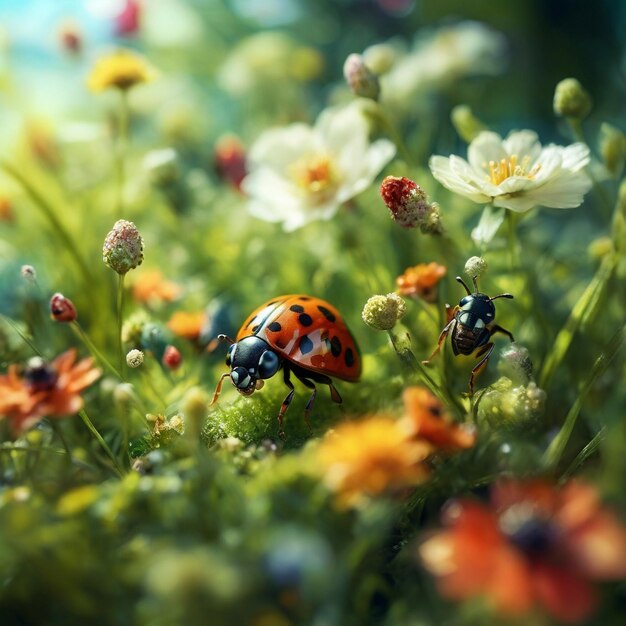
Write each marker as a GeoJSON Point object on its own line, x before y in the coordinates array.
{"type": "Point", "coordinates": [455, 174]}
{"type": "Point", "coordinates": [575, 157]}
{"type": "Point", "coordinates": [278, 148]}
{"type": "Point", "coordinates": [522, 143]}
{"type": "Point", "coordinates": [487, 146]}
{"type": "Point", "coordinates": [566, 190]}
{"type": "Point", "coordinates": [490, 221]}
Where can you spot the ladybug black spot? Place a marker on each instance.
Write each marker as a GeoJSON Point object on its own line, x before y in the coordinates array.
{"type": "Point", "coordinates": [296, 308]}
{"type": "Point", "coordinates": [305, 319]}
{"type": "Point", "coordinates": [255, 328]}
{"type": "Point", "coordinates": [335, 346]}
{"type": "Point", "coordinates": [304, 298]}
{"type": "Point", "coordinates": [274, 327]}
{"type": "Point", "coordinates": [306, 345]}
{"type": "Point", "coordinates": [349, 357]}
{"type": "Point", "coordinates": [329, 315]}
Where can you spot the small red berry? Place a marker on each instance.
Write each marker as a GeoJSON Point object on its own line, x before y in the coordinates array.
{"type": "Point", "coordinates": [172, 357]}
{"type": "Point", "coordinates": [62, 309]}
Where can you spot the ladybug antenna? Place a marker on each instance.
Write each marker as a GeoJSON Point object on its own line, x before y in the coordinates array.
{"type": "Point", "coordinates": [460, 280]}
{"type": "Point", "coordinates": [502, 295]}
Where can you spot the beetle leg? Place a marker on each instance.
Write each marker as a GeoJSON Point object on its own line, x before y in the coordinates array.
{"type": "Point", "coordinates": [442, 336]}
{"type": "Point", "coordinates": [218, 388]}
{"type": "Point", "coordinates": [504, 331]}
{"type": "Point", "coordinates": [486, 350]}
{"type": "Point", "coordinates": [450, 312]}
{"type": "Point", "coordinates": [286, 401]}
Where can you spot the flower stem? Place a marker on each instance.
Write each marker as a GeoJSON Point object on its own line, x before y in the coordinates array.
{"type": "Point", "coordinates": [512, 240]}
{"type": "Point", "coordinates": [120, 308]}
{"type": "Point", "coordinates": [557, 447]}
{"type": "Point", "coordinates": [393, 134]}
{"type": "Point", "coordinates": [48, 211]}
{"type": "Point", "coordinates": [101, 441]}
{"type": "Point", "coordinates": [122, 147]}
{"type": "Point", "coordinates": [82, 335]}
{"type": "Point", "coordinates": [400, 341]}
{"type": "Point", "coordinates": [583, 310]}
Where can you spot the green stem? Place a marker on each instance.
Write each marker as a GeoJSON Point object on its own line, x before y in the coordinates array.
{"type": "Point", "coordinates": [59, 433]}
{"type": "Point", "coordinates": [82, 335]}
{"type": "Point", "coordinates": [24, 338]}
{"type": "Point", "coordinates": [400, 341]}
{"type": "Point", "coordinates": [394, 135]}
{"type": "Point", "coordinates": [585, 453]}
{"type": "Point", "coordinates": [120, 308]}
{"type": "Point", "coordinates": [101, 441]}
{"type": "Point", "coordinates": [122, 147]}
{"type": "Point", "coordinates": [583, 310]}
{"type": "Point", "coordinates": [512, 240]}
{"type": "Point", "coordinates": [48, 211]}
{"type": "Point", "coordinates": [557, 447]}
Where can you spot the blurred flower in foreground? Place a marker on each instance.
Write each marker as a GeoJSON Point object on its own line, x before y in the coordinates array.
{"type": "Point", "coordinates": [409, 206]}
{"type": "Point", "coordinates": [366, 458]}
{"type": "Point", "coordinates": [121, 69]}
{"type": "Point", "coordinates": [443, 57]}
{"type": "Point", "coordinates": [380, 454]}
{"type": "Point", "coordinates": [299, 174]}
{"type": "Point", "coordinates": [45, 389]}
{"type": "Point", "coordinates": [425, 417]}
{"type": "Point", "coordinates": [420, 281]}
{"type": "Point", "coordinates": [151, 288]}
{"type": "Point", "coordinates": [516, 173]}
{"type": "Point", "coordinates": [535, 545]}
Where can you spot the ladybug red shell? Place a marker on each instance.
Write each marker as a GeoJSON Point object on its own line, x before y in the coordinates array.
{"type": "Point", "coordinates": [296, 333]}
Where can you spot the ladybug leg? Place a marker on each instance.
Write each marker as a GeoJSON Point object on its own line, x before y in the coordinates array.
{"type": "Point", "coordinates": [450, 312]}
{"type": "Point", "coordinates": [504, 331]}
{"type": "Point", "coordinates": [309, 405]}
{"type": "Point", "coordinates": [218, 388]}
{"type": "Point", "coordinates": [486, 350]}
{"type": "Point", "coordinates": [286, 401]}
{"type": "Point", "coordinates": [444, 333]}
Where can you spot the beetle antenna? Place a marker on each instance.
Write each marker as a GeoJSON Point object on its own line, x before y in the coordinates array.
{"type": "Point", "coordinates": [225, 338]}
{"type": "Point", "coordinates": [475, 281]}
{"type": "Point", "coordinates": [502, 295]}
{"type": "Point", "coordinates": [460, 280]}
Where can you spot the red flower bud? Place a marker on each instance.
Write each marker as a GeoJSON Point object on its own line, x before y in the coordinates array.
{"type": "Point", "coordinates": [62, 309]}
{"type": "Point", "coordinates": [172, 357]}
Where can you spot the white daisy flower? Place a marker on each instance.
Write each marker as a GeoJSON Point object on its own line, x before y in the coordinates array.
{"type": "Point", "coordinates": [517, 173]}
{"type": "Point", "coordinates": [443, 56]}
{"type": "Point", "coordinates": [300, 173]}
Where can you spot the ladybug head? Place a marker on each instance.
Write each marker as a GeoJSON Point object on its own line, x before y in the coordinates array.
{"type": "Point", "coordinates": [251, 360]}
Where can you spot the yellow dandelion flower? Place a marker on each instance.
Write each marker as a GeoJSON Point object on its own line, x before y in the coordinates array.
{"type": "Point", "coordinates": [121, 69]}
{"type": "Point", "coordinates": [367, 458]}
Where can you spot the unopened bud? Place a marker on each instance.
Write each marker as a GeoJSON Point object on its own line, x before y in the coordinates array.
{"type": "Point", "coordinates": [382, 312]}
{"type": "Point", "coordinates": [406, 201]}
{"type": "Point", "coordinates": [62, 309]}
{"type": "Point", "coordinates": [134, 358]}
{"type": "Point", "coordinates": [123, 247]}
{"type": "Point", "coordinates": [230, 160]}
{"type": "Point", "coordinates": [475, 266]}
{"type": "Point", "coordinates": [467, 125]}
{"type": "Point", "coordinates": [612, 148]}
{"type": "Point", "coordinates": [571, 100]}
{"type": "Point", "coordinates": [360, 78]}
{"type": "Point", "coordinates": [379, 58]}
{"type": "Point", "coordinates": [162, 166]}
{"type": "Point", "coordinates": [172, 357]}
{"type": "Point", "coordinates": [29, 273]}
{"type": "Point", "coordinates": [515, 364]}
{"type": "Point", "coordinates": [194, 407]}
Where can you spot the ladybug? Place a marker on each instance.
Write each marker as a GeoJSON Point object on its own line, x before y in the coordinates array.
{"type": "Point", "coordinates": [296, 333]}
{"type": "Point", "coordinates": [471, 325]}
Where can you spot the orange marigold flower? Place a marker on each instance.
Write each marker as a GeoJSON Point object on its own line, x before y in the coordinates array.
{"type": "Point", "coordinates": [151, 287]}
{"type": "Point", "coordinates": [187, 325]}
{"type": "Point", "coordinates": [421, 281]}
{"type": "Point", "coordinates": [426, 418]}
{"type": "Point", "coordinates": [362, 459]}
{"type": "Point", "coordinates": [45, 389]}
{"type": "Point", "coordinates": [535, 546]}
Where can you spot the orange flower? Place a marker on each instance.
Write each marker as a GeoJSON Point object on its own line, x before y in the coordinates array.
{"type": "Point", "coordinates": [362, 459]}
{"type": "Point", "coordinates": [421, 281]}
{"type": "Point", "coordinates": [6, 210]}
{"type": "Point", "coordinates": [187, 325]}
{"type": "Point", "coordinates": [45, 389]}
{"type": "Point", "coordinates": [535, 546]}
{"type": "Point", "coordinates": [151, 287]}
{"type": "Point", "coordinates": [426, 418]}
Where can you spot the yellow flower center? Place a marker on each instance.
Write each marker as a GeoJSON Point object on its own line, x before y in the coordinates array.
{"type": "Point", "coordinates": [500, 170]}
{"type": "Point", "coordinates": [314, 174]}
